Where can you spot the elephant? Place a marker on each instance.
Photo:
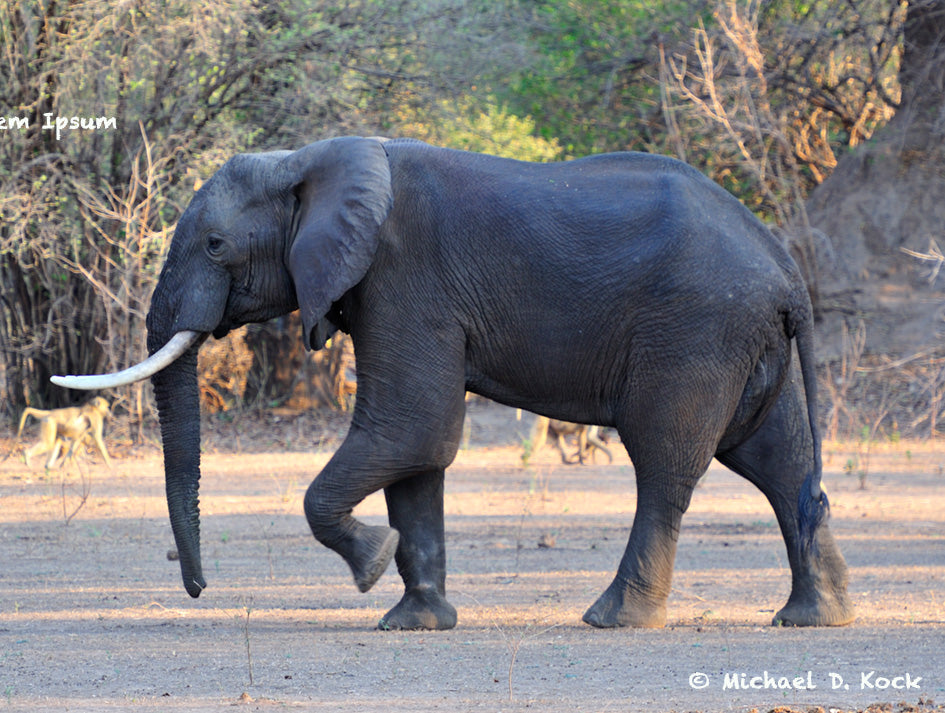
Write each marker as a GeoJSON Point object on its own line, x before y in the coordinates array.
{"type": "Point", "coordinates": [622, 289]}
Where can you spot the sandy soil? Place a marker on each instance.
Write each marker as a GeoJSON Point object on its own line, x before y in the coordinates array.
{"type": "Point", "coordinates": [93, 616]}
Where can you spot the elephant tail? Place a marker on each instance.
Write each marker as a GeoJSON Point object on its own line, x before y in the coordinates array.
{"type": "Point", "coordinates": [813, 505]}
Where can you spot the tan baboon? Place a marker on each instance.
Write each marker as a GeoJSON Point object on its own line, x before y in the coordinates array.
{"type": "Point", "coordinates": [588, 438]}
{"type": "Point", "coordinates": [75, 424]}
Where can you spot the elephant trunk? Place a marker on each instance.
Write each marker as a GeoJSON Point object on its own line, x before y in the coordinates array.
{"type": "Point", "coordinates": [178, 402]}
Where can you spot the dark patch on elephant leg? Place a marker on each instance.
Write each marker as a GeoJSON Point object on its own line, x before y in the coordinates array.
{"type": "Point", "coordinates": [777, 458]}
{"type": "Point", "coordinates": [415, 510]}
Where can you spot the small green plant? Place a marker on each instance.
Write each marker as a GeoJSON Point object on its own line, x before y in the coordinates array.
{"type": "Point", "coordinates": [244, 617]}
{"type": "Point", "coordinates": [527, 450]}
{"type": "Point", "coordinates": [852, 467]}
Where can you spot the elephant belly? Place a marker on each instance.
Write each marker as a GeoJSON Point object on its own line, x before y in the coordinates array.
{"type": "Point", "coordinates": [565, 389]}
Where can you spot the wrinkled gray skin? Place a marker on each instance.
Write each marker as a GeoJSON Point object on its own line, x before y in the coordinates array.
{"type": "Point", "coordinates": [455, 271]}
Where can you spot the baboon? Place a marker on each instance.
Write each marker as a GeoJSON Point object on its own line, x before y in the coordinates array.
{"type": "Point", "coordinates": [588, 438]}
{"type": "Point", "coordinates": [75, 424]}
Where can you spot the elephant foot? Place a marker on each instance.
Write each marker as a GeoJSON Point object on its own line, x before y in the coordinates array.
{"type": "Point", "coordinates": [620, 606]}
{"type": "Point", "coordinates": [420, 608]}
{"type": "Point", "coordinates": [819, 594]}
{"type": "Point", "coordinates": [372, 552]}
{"type": "Point", "coordinates": [822, 611]}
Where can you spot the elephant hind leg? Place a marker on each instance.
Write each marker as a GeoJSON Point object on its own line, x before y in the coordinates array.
{"type": "Point", "coordinates": [777, 459]}
{"type": "Point", "coordinates": [637, 596]}
{"type": "Point", "coordinates": [671, 428]}
{"type": "Point", "coordinates": [668, 463]}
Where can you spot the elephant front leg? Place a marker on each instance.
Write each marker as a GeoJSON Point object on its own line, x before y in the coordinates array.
{"type": "Point", "coordinates": [405, 431]}
{"type": "Point", "coordinates": [349, 477]}
{"type": "Point", "coordinates": [367, 549]}
{"type": "Point", "coordinates": [411, 473]}
{"type": "Point", "coordinates": [415, 510]}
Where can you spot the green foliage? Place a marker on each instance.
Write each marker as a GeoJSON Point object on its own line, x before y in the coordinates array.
{"type": "Point", "coordinates": [486, 129]}
{"type": "Point", "coordinates": [590, 84]}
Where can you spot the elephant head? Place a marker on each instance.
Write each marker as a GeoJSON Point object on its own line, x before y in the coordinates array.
{"type": "Point", "coordinates": [267, 234]}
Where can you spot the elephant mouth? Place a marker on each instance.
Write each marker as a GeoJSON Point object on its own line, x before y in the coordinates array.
{"type": "Point", "coordinates": [222, 330]}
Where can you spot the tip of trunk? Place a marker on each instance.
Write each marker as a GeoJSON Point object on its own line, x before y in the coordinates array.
{"type": "Point", "coordinates": [194, 585]}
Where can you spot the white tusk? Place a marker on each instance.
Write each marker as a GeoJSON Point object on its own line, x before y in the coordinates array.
{"type": "Point", "coordinates": [176, 345]}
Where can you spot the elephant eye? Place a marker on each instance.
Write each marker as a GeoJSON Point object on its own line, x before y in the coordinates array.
{"type": "Point", "coordinates": [215, 245]}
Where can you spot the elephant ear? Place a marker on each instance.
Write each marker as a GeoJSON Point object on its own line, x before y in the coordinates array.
{"type": "Point", "coordinates": [344, 193]}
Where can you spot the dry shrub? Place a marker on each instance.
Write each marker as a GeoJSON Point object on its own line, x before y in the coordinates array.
{"type": "Point", "coordinates": [779, 93]}
{"type": "Point", "coordinates": [872, 397]}
{"type": "Point", "coordinates": [222, 369]}
{"type": "Point", "coordinates": [85, 217]}
{"type": "Point", "coordinates": [285, 376]}
{"type": "Point", "coordinates": [266, 366]}
{"type": "Point", "coordinates": [766, 99]}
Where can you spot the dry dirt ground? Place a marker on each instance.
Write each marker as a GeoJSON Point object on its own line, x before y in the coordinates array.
{"type": "Point", "coordinates": [93, 616]}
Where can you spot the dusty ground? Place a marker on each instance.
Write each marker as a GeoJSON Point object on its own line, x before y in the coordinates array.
{"type": "Point", "coordinates": [93, 615]}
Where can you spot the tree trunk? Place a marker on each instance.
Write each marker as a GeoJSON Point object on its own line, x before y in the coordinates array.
{"type": "Point", "coordinates": [921, 73]}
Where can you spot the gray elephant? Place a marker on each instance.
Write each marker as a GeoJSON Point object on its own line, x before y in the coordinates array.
{"type": "Point", "coordinates": [624, 289]}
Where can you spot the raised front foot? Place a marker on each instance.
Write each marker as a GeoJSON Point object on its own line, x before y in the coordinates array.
{"type": "Point", "coordinates": [420, 608]}
{"type": "Point", "coordinates": [372, 552]}
{"type": "Point", "coordinates": [622, 606]}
